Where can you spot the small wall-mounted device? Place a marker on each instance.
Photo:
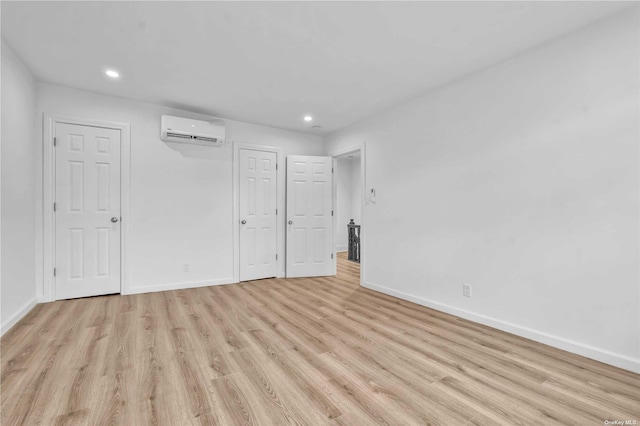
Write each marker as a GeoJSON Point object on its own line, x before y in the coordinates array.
{"type": "Point", "coordinates": [373, 196]}
{"type": "Point", "coordinates": [196, 132]}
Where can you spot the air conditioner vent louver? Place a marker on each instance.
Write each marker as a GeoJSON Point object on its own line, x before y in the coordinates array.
{"type": "Point", "coordinates": [194, 137]}
{"type": "Point", "coordinates": [178, 135]}
{"type": "Point", "coordinates": [197, 132]}
{"type": "Point", "coordinates": [206, 139]}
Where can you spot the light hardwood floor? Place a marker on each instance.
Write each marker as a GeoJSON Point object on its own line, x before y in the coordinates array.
{"type": "Point", "coordinates": [301, 351]}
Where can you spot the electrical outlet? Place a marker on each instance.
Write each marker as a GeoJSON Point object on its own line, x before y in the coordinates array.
{"type": "Point", "coordinates": [186, 267]}
{"type": "Point", "coordinates": [466, 290]}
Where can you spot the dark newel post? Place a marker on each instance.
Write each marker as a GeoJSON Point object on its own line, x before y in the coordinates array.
{"type": "Point", "coordinates": [354, 241]}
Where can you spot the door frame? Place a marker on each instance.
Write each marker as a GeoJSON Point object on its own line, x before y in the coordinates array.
{"type": "Point", "coordinates": [49, 187]}
{"type": "Point", "coordinates": [362, 147]}
{"type": "Point", "coordinates": [280, 201]}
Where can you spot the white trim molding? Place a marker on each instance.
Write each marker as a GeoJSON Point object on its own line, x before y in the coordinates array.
{"type": "Point", "coordinates": [588, 351]}
{"type": "Point", "coordinates": [18, 316]}
{"type": "Point", "coordinates": [48, 191]}
{"type": "Point", "coordinates": [179, 286]}
{"type": "Point", "coordinates": [280, 201]}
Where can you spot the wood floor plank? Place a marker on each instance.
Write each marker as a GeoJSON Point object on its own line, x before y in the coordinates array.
{"type": "Point", "coordinates": [307, 351]}
{"type": "Point", "coordinates": [276, 393]}
{"type": "Point", "coordinates": [236, 407]}
{"type": "Point", "coordinates": [303, 381]}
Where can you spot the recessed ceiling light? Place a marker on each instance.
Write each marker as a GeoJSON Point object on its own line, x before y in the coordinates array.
{"type": "Point", "coordinates": [308, 118]}
{"type": "Point", "coordinates": [112, 73]}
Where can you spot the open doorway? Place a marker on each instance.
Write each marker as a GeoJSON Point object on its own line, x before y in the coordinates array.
{"type": "Point", "coordinates": [348, 213]}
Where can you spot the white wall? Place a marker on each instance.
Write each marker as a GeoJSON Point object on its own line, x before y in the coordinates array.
{"type": "Point", "coordinates": [18, 278]}
{"type": "Point", "coordinates": [181, 195]}
{"type": "Point", "coordinates": [522, 181]}
{"type": "Point", "coordinates": [356, 190]}
{"type": "Point", "coordinates": [348, 197]}
{"type": "Point", "coordinates": [343, 201]}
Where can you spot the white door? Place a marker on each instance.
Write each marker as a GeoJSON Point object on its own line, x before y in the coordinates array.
{"type": "Point", "coordinates": [87, 211]}
{"type": "Point", "coordinates": [258, 221]}
{"type": "Point", "coordinates": [309, 221]}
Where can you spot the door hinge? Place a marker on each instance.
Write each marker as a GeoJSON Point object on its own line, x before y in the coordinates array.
{"type": "Point", "coordinates": [54, 207]}
{"type": "Point", "coordinates": [332, 170]}
{"type": "Point", "coordinates": [276, 257]}
{"type": "Point", "coordinates": [276, 166]}
{"type": "Point", "coordinates": [55, 141]}
{"type": "Point", "coordinates": [54, 272]}
{"type": "Point", "coordinates": [276, 212]}
{"type": "Point", "coordinates": [331, 212]}
{"type": "Point", "coordinates": [332, 255]}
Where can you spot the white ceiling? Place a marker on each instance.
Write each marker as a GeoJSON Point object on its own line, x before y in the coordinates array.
{"type": "Point", "coordinates": [273, 62]}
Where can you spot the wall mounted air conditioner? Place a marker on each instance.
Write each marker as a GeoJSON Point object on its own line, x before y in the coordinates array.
{"type": "Point", "coordinates": [198, 132]}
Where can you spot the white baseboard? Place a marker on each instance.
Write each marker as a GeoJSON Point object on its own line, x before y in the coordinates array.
{"type": "Point", "coordinates": [588, 351]}
{"type": "Point", "coordinates": [341, 247]}
{"type": "Point", "coordinates": [178, 286]}
{"type": "Point", "coordinates": [18, 315]}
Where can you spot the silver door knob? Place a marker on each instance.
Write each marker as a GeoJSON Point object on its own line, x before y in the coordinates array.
{"type": "Point", "coordinates": [114, 219]}
{"type": "Point", "coordinates": [290, 222]}
{"type": "Point", "coordinates": [244, 222]}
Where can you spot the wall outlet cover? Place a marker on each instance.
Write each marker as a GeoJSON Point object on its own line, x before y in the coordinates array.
{"type": "Point", "coordinates": [466, 290]}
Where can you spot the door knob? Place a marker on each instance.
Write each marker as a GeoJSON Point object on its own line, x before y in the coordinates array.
{"type": "Point", "coordinates": [114, 219]}
{"type": "Point", "coordinates": [290, 222]}
{"type": "Point", "coordinates": [243, 222]}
